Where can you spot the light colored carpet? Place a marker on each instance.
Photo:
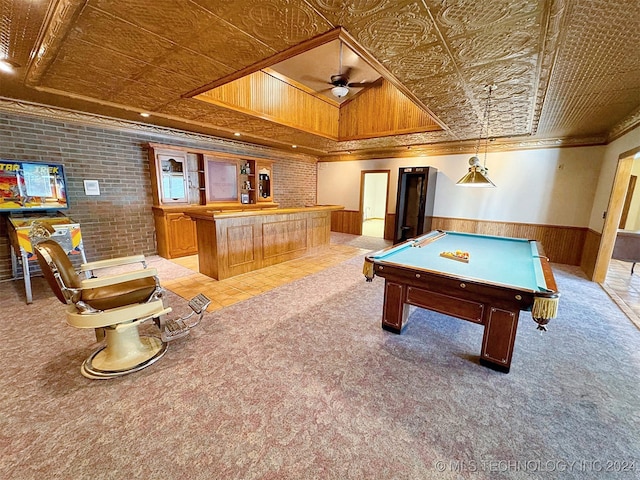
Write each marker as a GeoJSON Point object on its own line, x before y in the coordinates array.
{"type": "Point", "coordinates": [301, 382]}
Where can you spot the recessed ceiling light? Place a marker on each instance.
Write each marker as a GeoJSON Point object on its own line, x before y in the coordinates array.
{"type": "Point", "coordinates": [237, 134]}
{"type": "Point", "coordinates": [7, 66]}
{"type": "Point", "coordinates": [294, 146]}
{"type": "Point", "coordinates": [145, 114]}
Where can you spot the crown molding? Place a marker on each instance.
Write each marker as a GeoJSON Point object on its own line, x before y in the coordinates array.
{"type": "Point", "coordinates": [510, 144]}
{"type": "Point", "coordinates": [627, 124]}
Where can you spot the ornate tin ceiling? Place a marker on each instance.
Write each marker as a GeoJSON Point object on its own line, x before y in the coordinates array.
{"type": "Point", "coordinates": [567, 71]}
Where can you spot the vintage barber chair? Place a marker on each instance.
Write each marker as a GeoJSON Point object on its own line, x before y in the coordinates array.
{"type": "Point", "coordinates": [114, 306]}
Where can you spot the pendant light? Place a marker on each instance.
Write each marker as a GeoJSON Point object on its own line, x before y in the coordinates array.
{"type": "Point", "coordinates": [478, 174]}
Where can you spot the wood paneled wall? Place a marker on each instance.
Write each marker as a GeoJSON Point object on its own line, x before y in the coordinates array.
{"type": "Point", "coordinates": [361, 118]}
{"type": "Point", "coordinates": [347, 221]}
{"type": "Point", "coordinates": [568, 245]}
{"type": "Point", "coordinates": [590, 252]}
{"type": "Point", "coordinates": [276, 100]}
{"type": "Point", "coordinates": [561, 244]}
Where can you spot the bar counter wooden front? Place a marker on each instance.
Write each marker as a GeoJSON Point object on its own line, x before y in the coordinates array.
{"type": "Point", "coordinates": [231, 243]}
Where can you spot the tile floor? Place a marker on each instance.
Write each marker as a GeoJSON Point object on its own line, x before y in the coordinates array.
{"type": "Point", "coordinates": [241, 287]}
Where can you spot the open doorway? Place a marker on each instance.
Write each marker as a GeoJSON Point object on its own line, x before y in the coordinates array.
{"type": "Point", "coordinates": [613, 215]}
{"type": "Point", "coordinates": [374, 194]}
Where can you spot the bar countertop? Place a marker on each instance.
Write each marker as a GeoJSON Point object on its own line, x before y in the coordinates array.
{"type": "Point", "coordinates": [215, 215]}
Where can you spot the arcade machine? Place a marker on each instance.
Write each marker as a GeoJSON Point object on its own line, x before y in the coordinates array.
{"type": "Point", "coordinates": [33, 194]}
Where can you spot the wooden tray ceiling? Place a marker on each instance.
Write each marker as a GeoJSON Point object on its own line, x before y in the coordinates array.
{"type": "Point", "coordinates": [568, 72]}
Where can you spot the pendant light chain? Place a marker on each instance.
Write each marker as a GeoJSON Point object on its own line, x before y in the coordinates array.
{"type": "Point", "coordinates": [486, 121]}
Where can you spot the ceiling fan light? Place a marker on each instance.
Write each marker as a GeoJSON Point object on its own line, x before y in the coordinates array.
{"type": "Point", "coordinates": [339, 91]}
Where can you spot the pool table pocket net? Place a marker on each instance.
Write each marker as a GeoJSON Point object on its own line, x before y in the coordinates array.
{"type": "Point", "coordinates": [544, 309]}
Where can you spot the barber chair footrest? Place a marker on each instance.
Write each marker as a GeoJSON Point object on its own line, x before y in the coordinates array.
{"type": "Point", "coordinates": [174, 329]}
{"type": "Point", "coordinates": [199, 303]}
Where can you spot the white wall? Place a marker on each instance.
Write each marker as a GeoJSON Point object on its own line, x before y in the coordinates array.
{"type": "Point", "coordinates": [605, 182]}
{"type": "Point", "coordinates": [547, 186]}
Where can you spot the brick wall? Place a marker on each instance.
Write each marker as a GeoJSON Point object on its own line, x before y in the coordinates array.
{"type": "Point", "coordinates": [295, 183]}
{"type": "Point", "coordinates": [119, 221]}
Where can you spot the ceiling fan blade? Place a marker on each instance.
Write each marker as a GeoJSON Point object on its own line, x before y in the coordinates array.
{"type": "Point", "coordinates": [347, 72]}
{"type": "Point", "coordinates": [314, 79]}
{"type": "Point", "coordinates": [375, 83]}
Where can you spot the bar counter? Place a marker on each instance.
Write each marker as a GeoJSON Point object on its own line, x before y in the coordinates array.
{"type": "Point", "coordinates": [234, 242]}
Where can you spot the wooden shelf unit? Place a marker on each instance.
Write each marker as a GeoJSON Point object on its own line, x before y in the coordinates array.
{"type": "Point", "coordinates": [191, 180]}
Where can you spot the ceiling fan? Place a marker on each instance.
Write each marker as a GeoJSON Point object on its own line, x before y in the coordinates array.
{"type": "Point", "coordinates": [341, 82]}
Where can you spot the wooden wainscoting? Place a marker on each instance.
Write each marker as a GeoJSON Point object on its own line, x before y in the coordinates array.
{"type": "Point", "coordinates": [346, 221]}
{"type": "Point", "coordinates": [561, 244]}
{"type": "Point", "coordinates": [569, 245]}
{"type": "Point", "coordinates": [590, 252]}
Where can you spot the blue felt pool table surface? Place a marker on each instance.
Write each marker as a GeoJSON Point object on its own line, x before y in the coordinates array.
{"type": "Point", "coordinates": [510, 262]}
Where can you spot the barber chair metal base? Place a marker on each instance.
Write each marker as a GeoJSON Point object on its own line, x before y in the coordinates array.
{"type": "Point", "coordinates": [125, 352]}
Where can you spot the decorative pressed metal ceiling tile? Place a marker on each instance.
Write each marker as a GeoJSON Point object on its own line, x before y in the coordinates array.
{"type": "Point", "coordinates": [104, 31]}
{"type": "Point", "coordinates": [141, 96]}
{"type": "Point", "coordinates": [194, 65]}
{"type": "Point", "coordinates": [396, 33]}
{"type": "Point", "coordinates": [80, 54]}
{"type": "Point", "coordinates": [278, 23]}
{"type": "Point", "coordinates": [495, 46]}
{"type": "Point", "coordinates": [169, 80]}
{"type": "Point", "coordinates": [229, 46]}
{"type": "Point", "coordinates": [339, 11]}
{"type": "Point", "coordinates": [457, 17]}
{"type": "Point", "coordinates": [66, 82]}
{"type": "Point", "coordinates": [169, 19]}
{"type": "Point", "coordinates": [587, 61]}
{"type": "Point", "coordinates": [569, 52]}
{"type": "Point", "coordinates": [419, 64]}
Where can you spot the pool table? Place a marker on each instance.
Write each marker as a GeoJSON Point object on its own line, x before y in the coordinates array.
{"type": "Point", "coordinates": [500, 277]}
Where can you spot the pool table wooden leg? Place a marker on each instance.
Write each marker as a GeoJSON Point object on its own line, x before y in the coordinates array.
{"type": "Point", "coordinates": [499, 337]}
{"type": "Point", "coordinates": [394, 311]}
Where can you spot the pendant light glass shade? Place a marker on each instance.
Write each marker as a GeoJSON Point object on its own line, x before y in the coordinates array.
{"type": "Point", "coordinates": [477, 175]}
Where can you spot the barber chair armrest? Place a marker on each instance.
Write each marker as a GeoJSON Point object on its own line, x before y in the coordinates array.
{"type": "Point", "coordinates": [119, 278]}
{"type": "Point", "coordinates": [113, 262]}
